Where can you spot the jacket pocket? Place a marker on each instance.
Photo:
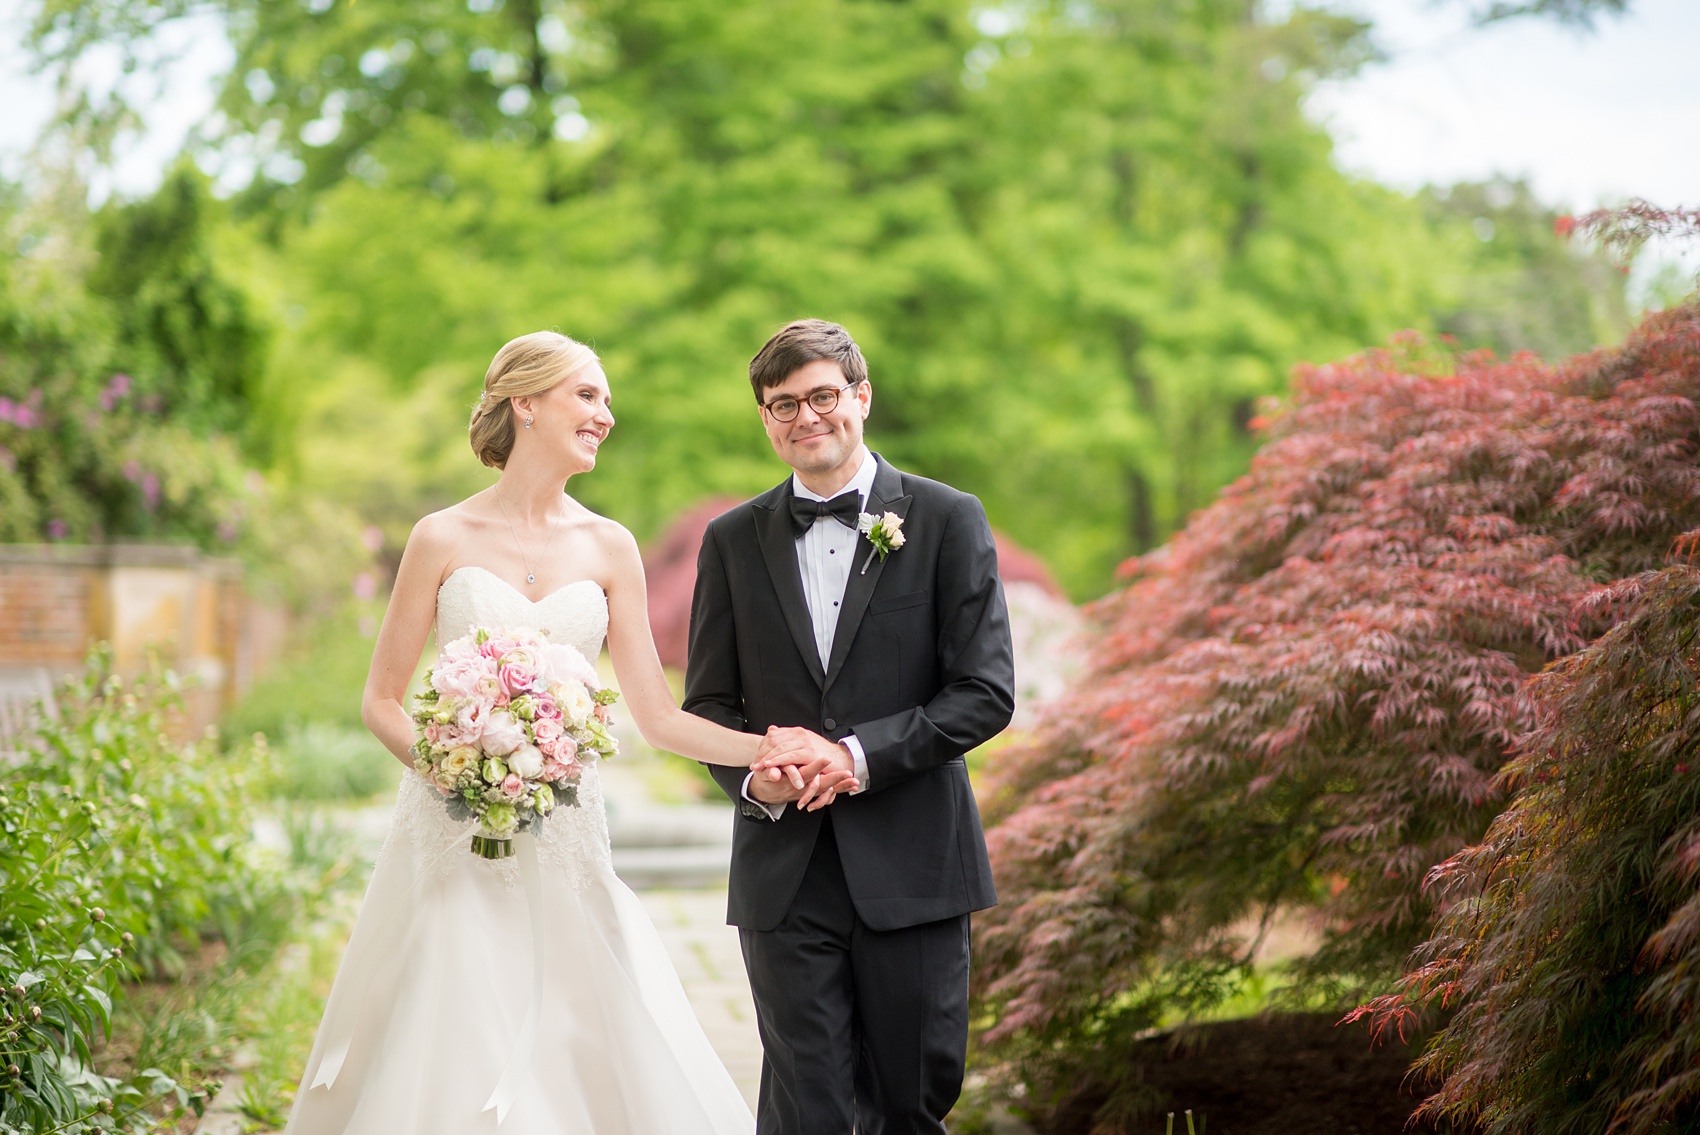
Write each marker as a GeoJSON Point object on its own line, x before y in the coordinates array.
{"type": "Point", "coordinates": [883, 604]}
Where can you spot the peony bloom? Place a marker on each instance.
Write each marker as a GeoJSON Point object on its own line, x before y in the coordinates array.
{"type": "Point", "coordinates": [527, 761]}
{"type": "Point", "coordinates": [568, 665]}
{"type": "Point", "coordinates": [458, 678]}
{"type": "Point", "coordinates": [502, 734]}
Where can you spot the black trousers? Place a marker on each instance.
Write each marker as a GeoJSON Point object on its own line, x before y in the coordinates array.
{"type": "Point", "coordinates": [861, 1030]}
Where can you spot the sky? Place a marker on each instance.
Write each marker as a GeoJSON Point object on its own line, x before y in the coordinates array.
{"type": "Point", "coordinates": [1587, 117]}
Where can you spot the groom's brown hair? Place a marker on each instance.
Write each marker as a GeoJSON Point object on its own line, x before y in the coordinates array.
{"type": "Point", "coordinates": [800, 343]}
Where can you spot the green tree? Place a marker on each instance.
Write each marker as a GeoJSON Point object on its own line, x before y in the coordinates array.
{"type": "Point", "coordinates": [1077, 241]}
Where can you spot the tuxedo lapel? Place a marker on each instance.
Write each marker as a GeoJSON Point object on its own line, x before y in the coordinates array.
{"type": "Point", "coordinates": [886, 496]}
{"type": "Point", "coordinates": [779, 550]}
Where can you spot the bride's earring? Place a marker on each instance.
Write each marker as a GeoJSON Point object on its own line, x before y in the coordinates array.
{"type": "Point", "coordinates": [528, 421]}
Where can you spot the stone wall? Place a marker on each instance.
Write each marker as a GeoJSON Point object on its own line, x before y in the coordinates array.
{"type": "Point", "coordinates": [58, 600]}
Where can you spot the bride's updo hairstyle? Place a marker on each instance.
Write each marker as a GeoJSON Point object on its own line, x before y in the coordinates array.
{"type": "Point", "coordinates": [530, 364]}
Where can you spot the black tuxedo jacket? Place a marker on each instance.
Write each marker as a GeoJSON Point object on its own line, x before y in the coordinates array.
{"type": "Point", "coordinates": [921, 672]}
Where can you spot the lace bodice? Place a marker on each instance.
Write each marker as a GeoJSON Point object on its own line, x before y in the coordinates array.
{"type": "Point", "coordinates": [572, 840]}
{"type": "Point", "coordinates": [576, 614]}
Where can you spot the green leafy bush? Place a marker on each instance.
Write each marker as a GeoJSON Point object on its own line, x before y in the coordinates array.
{"type": "Point", "coordinates": [123, 850]}
{"type": "Point", "coordinates": [1569, 945]}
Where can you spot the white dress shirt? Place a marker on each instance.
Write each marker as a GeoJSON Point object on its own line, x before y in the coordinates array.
{"type": "Point", "coordinates": [824, 555]}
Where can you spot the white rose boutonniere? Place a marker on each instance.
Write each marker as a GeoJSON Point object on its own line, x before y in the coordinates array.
{"type": "Point", "coordinates": [885, 533]}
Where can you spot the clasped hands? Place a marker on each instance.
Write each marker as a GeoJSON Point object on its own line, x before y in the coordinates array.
{"type": "Point", "coordinates": [798, 766]}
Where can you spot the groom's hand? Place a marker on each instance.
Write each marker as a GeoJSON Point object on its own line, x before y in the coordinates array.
{"type": "Point", "coordinates": [826, 766]}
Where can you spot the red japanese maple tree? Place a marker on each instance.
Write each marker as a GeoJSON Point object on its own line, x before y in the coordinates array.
{"type": "Point", "coordinates": [1303, 700]}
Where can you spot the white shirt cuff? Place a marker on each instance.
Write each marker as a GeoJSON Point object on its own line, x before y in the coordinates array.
{"type": "Point", "coordinates": [774, 811]}
{"type": "Point", "coordinates": [857, 758]}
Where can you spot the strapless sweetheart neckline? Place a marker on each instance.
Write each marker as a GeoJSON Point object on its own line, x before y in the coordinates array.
{"type": "Point", "coordinates": [515, 590]}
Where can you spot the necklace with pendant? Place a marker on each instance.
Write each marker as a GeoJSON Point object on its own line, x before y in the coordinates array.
{"type": "Point", "coordinates": [530, 576]}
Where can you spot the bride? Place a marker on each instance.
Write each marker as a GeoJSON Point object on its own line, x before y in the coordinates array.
{"type": "Point", "coordinates": [473, 997]}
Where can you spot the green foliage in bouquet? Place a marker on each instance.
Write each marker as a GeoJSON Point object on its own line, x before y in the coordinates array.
{"type": "Point", "coordinates": [122, 852]}
{"type": "Point", "coordinates": [1568, 953]}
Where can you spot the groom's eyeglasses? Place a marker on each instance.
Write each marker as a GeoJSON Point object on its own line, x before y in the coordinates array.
{"type": "Point", "coordinates": [822, 402]}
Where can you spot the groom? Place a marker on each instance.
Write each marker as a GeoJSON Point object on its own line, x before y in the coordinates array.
{"type": "Point", "coordinates": [886, 663]}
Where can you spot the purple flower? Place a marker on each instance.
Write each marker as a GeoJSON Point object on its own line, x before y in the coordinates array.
{"type": "Point", "coordinates": [5, 409]}
{"type": "Point", "coordinates": [365, 585]}
{"type": "Point", "coordinates": [150, 489]}
{"type": "Point", "coordinates": [115, 390]}
{"type": "Point", "coordinates": [57, 529]}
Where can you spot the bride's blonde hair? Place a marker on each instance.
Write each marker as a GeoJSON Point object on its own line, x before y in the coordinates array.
{"type": "Point", "coordinates": [529, 364]}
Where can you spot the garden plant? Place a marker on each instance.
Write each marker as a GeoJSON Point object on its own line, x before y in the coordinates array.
{"type": "Point", "coordinates": [1566, 961]}
{"type": "Point", "coordinates": [1302, 704]}
{"type": "Point", "coordinates": [127, 860]}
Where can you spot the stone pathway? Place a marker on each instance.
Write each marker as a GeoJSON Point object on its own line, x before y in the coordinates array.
{"type": "Point", "coordinates": [705, 952]}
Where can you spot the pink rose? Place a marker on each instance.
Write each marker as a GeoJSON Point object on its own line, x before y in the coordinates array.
{"type": "Point", "coordinates": [547, 730]}
{"type": "Point", "coordinates": [518, 678]}
{"type": "Point", "coordinates": [554, 770]}
{"type": "Point", "coordinates": [545, 707]}
{"type": "Point", "coordinates": [513, 787]}
{"type": "Point", "coordinates": [566, 748]}
{"type": "Point", "coordinates": [433, 731]}
{"type": "Point", "coordinates": [502, 734]}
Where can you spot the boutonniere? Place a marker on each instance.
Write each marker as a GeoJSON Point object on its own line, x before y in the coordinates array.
{"type": "Point", "coordinates": [885, 533]}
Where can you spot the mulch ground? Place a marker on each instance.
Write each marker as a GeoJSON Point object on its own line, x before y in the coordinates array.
{"type": "Point", "coordinates": [1286, 1074]}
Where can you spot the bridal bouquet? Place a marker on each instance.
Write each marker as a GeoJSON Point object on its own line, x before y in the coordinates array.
{"type": "Point", "coordinates": [507, 721]}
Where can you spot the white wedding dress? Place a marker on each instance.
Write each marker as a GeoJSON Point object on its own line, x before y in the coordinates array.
{"type": "Point", "coordinates": [429, 1012]}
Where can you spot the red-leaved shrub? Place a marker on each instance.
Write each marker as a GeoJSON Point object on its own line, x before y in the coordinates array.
{"type": "Point", "coordinates": [1569, 943]}
{"type": "Point", "coordinates": [1303, 701]}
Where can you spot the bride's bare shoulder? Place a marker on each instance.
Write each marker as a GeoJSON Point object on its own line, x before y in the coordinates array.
{"type": "Point", "coordinates": [610, 536]}
{"type": "Point", "coordinates": [437, 535]}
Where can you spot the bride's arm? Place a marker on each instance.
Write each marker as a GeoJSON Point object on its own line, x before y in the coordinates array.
{"type": "Point", "coordinates": [644, 686]}
{"type": "Point", "coordinates": [401, 639]}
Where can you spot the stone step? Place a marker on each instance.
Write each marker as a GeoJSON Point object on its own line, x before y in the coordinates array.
{"type": "Point", "coordinates": [676, 867]}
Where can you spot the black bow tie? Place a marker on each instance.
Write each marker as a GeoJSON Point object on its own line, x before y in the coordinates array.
{"type": "Point", "coordinates": [844, 508]}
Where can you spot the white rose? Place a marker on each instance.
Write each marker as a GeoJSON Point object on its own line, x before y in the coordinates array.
{"type": "Point", "coordinates": [576, 703]}
{"type": "Point", "coordinates": [502, 734]}
{"type": "Point", "coordinates": [527, 761]}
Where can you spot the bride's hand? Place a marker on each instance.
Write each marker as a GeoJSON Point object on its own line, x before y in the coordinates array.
{"type": "Point", "coordinates": [826, 766]}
